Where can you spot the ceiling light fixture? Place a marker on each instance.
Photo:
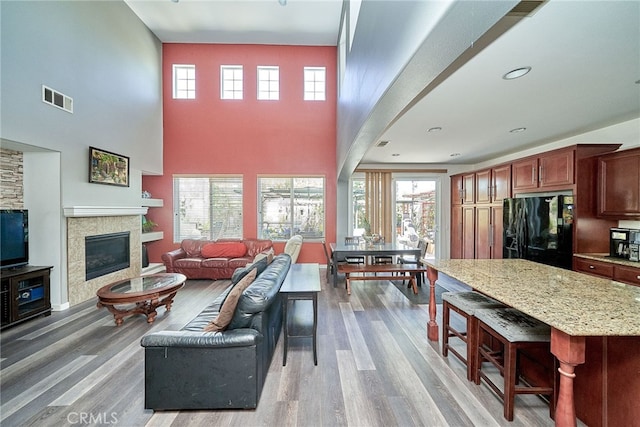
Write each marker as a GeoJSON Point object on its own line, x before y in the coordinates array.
{"type": "Point", "coordinates": [435, 129]}
{"type": "Point", "coordinates": [517, 130]}
{"type": "Point", "coordinates": [517, 73]}
{"type": "Point", "coordinates": [454, 154]}
{"type": "Point", "coordinates": [395, 155]}
{"type": "Point", "coordinates": [282, 2]}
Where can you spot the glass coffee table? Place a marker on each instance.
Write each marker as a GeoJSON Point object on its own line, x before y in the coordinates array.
{"type": "Point", "coordinates": [146, 292]}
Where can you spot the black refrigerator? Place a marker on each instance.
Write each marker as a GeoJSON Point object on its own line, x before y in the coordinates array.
{"type": "Point", "coordinates": [539, 229]}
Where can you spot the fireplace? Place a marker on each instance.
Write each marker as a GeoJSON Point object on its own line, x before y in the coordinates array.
{"type": "Point", "coordinates": [106, 253]}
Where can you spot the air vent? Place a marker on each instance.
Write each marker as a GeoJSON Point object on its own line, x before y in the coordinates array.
{"type": "Point", "coordinates": [382, 143]}
{"type": "Point", "coordinates": [526, 8]}
{"type": "Point", "coordinates": [57, 99]}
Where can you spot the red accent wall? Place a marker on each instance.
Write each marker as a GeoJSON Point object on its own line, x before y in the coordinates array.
{"type": "Point", "coordinates": [208, 135]}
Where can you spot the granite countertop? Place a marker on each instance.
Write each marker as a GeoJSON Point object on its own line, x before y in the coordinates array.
{"type": "Point", "coordinates": [575, 303]}
{"type": "Point", "coordinates": [607, 258]}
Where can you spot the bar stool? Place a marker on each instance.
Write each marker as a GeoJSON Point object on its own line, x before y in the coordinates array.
{"type": "Point", "coordinates": [515, 331]}
{"type": "Point", "coordinates": [465, 304]}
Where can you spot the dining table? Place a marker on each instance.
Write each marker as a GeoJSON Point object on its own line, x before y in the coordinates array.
{"type": "Point", "coordinates": [341, 251]}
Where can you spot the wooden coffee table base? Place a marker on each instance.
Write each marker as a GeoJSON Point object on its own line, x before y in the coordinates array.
{"type": "Point", "coordinates": [148, 308]}
{"type": "Point", "coordinates": [145, 293]}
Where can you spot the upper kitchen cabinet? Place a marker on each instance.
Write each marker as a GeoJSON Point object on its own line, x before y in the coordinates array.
{"type": "Point", "coordinates": [549, 171]}
{"type": "Point", "coordinates": [456, 190]}
{"type": "Point", "coordinates": [463, 189]}
{"type": "Point", "coordinates": [493, 185]}
{"type": "Point", "coordinates": [500, 183]}
{"type": "Point", "coordinates": [619, 185]}
{"type": "Point", "coordinates": [468, 187]}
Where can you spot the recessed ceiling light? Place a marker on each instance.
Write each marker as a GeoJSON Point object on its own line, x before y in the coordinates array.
{"type": "Point", "coordinates": [395, 155]}
{"type": "Point", "coordinates": [454, 154]}
{"type": "Point", "coordinates": [382, 143]}
{"type": "Point", "coordinates": [435, 129]}
{"type": "Point", "coordinates": [518, 72]}
{"type": "Point", "coordinates": [517, 130]}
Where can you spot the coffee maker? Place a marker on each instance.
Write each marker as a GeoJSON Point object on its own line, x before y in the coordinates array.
{"type": "Point", "coordinates": [619, 242]}
{"type": "Point", "coordinates": [625, 243]}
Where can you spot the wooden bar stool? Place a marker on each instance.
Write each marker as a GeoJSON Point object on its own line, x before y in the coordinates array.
{"type": "Point", "coordinates": [519, 334]}
{"type": "Point", "coordinates": [465, 304]}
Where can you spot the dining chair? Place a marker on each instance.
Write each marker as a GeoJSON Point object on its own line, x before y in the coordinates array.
{"type": "Point", "coordinates": [330, 266]}
{"type": "Point", "coordinates": [353, 259]}
{"type": "Point", "coordinates": [382, 259]}
{"type": "Point", "coordinates": [411, 259]}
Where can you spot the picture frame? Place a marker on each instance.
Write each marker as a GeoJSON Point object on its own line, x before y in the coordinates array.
{"type": "Point", "coordinates": [108, 168]}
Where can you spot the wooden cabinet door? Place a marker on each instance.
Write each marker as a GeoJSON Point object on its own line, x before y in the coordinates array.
{"type": "Point", "coordinates": [483, 232]}
{"type": "Point", "coordinates": [525, 174]}
{"type": "Point", "coordinates": [456, 232]}
{"type": "Point", "coordinates": [619, 185]}
{"type": "Point", "coordinates": [500, 183]}
{"type": "Point", "coordinates": [483, 186]}
{"type": "Point", "coordinates": [496, 232]}
{"type": "Point", "coordinates": [468, 232]}
{"type": "Point", "coordinates": [468, 187]}
{"type": "Point", "coordinates": [456, 190]}
{"type": "Point", "coordinates": [556, 168]}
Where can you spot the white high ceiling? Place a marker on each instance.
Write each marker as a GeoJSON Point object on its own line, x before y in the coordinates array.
{"type": "Point", "coordinates": [585, 59]}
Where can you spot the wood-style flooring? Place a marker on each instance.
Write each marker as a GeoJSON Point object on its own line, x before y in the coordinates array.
{"type": "Point", "coordinates": [375, 368]}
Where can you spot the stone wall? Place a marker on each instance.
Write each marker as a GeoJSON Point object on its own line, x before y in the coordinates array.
{"type": "Point", "coordinates": [11, 179]}
{"type": "Point", "coordinates": [77, 229]}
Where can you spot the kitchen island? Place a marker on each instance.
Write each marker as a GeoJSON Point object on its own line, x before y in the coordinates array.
{"type": "Point", "coordinates": [579, 308]}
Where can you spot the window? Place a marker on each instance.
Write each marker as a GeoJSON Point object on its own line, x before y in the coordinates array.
{"type": "Point", "coordinates": [231, 82]}
{"type": "Point", "coordinates": [289, 206]}
{"type": "Point", "coordinates": [208, 207]}
{"type": "Point", "coordinates": [184, 81]}
{"type": "Point", "coordinates": [314, 83]}
{"type": "Point", "coordinates": [269, 83]}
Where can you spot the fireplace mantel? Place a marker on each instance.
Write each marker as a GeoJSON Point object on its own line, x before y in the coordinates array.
{"type": "Point", "coordinates": [86, 211]}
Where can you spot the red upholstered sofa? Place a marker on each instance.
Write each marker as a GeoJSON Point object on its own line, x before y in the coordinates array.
{"type": "Point", "coordinates": [208, 259]}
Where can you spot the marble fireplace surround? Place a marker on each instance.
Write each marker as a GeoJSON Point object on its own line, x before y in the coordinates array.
{"type": "Point", "coordinates": [83, 221]}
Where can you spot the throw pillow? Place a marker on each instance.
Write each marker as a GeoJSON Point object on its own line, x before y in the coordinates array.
{"type": "Point", "coordinates": [228, 307]}
{"type": "Point", "coordinates": [224, 250]}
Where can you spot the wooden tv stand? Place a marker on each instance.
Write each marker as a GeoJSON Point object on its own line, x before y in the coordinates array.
{"type": "Point", "coordinates": [24, 294]}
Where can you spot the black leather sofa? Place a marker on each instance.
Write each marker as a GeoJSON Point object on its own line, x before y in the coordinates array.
{"type": "Point", "coordinates": [193, 369]}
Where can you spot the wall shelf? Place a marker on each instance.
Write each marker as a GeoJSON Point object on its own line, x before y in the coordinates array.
{"type": "Point", "coordinates": [153, 268]}
{"type": "Point", "coordinates": [152, 203]}
{"type": "Point", "coordinates": [152, 236]}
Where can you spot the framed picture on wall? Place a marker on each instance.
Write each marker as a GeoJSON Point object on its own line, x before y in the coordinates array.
{"type": "Point", "coordinates": [108, 168]}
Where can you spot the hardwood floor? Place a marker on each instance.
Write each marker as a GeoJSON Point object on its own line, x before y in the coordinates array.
{"type": "Point", "coordinates": [375, 368]}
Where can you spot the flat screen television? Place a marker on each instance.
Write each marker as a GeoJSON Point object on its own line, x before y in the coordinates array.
{"type": "Point", "coordinates": [14, 238]}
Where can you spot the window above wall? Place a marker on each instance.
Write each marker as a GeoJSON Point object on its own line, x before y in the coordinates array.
{"type": "Point", "coordinates": [184, 81]}
{"type": "Point", "coordinates": [315, 83]}
{"type": "Point", "coordinates": [269, 83]}
{"type": "Point", "coordinates": [231, 86]}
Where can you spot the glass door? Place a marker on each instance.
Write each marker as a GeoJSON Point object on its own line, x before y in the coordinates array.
{"type": "Point", "coordinates": [416, 208]}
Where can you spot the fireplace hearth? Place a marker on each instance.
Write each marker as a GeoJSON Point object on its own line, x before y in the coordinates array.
{"type": "Point", "coordinates": [106, 253]}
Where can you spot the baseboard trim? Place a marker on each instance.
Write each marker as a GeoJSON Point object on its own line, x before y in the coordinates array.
{"type": "Point", "coordinates": [60, 307]}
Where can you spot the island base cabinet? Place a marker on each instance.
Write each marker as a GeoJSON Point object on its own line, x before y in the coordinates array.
{"type": "Point", "coordinates": [607, 385]}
